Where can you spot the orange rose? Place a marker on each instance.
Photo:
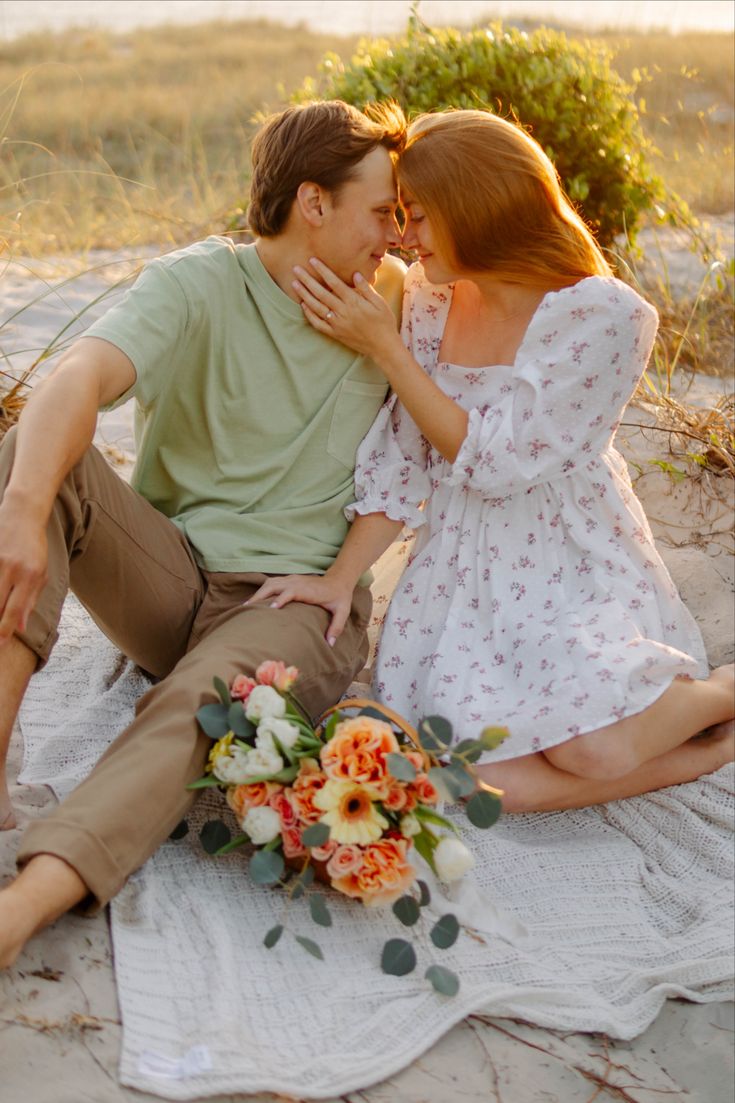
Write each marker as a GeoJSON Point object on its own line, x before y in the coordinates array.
{"type": "Point", "coordinates": [384, 875]}
{"type": "Point", "coordinates": [309, 781]}
{"type": "Point", "coordinates": [241, 798]}
{"type": "Point", "coordinates": [357, 752]}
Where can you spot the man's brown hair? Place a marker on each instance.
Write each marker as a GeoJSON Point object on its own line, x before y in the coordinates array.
{"type": "Point", "coordinates": [321, 142]}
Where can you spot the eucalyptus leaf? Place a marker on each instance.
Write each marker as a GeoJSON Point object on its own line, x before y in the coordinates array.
{"type": "Point", "coordinates": [266, 867]}
{"type": "Point", "coordinates": [180, 831]}
{"type": "Point", "coordinates": [425, 897]}
{"type": "Point", "coordinates": [238, 721]}
{"type": "Point", "coordinates": [483, 809]}
{"type": "Point", "coordinates": [320, 913]}
{"type": "Point", "coordinates": [310, 946]}
{"type": "Point", "coordinates": [445, 783]}
{"type": "Point", "coordinates": [213, 721]}
{"type": "Point", "coordinates": [463, 779]}
{"type": "Point", "coordinates": [400, 767]}
{"type": "Point", "coordinates": [316, 835]}
{"type": "Point", "coordinates": [375, 713]}
{"type": "Point", "coordinates": [469, 749]}
{"type": "Point", "coordinates": [214, 835]}
{"type": "Point", "coordinates": [445, 931]}
{"type": "Point", "coordinates": [435, 734]}
{"type": "Point", "coordinates": [239, 840]}
{"type": "Point", "coordinates": [223, 691]}
{"type": "Point", "coordinates": [407, 911]}
{"type": "Point", "coordinates": [273, 935]}
{"type": "Point", "coordinates": [398, 957]}
{"type": "Point", "coordinates": [443, 980]}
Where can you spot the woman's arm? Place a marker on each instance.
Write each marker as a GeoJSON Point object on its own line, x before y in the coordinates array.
{"type": "Point", "coordinates": [368, 538]}
{"type": "Point", "coordinates": [361, 320]}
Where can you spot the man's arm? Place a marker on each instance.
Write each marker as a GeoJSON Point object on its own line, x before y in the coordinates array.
{"type": "Point", "coordinates": [54, 431]}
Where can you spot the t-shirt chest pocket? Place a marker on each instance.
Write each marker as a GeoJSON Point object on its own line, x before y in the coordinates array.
{"type": "Point", "coordinates": [354, 412]}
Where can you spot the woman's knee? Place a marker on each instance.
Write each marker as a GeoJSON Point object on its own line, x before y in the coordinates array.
{"type": "Point", "coordinates": [598, 756]}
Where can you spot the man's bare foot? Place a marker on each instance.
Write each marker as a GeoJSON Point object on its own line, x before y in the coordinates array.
{"type": "Point", "coordinates": [43, 890]}
{"type": "Point", "coordinates": [16, 926]}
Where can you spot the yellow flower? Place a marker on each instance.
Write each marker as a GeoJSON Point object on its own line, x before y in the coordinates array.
{"type": "Point", "coordinates": [350, 813]}
{"type": "Point", "coordinates": [221, 747]}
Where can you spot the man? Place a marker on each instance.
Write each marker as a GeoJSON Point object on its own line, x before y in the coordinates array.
{"type": "Point", "coordinates": [247, 426]}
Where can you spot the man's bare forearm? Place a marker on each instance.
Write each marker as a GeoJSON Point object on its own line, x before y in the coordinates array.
{"type": "Point", "coordinates": [58, 423]}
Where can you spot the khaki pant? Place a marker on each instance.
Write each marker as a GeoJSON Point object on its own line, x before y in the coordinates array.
{"type": "Point", "coordinates": [135, 573]}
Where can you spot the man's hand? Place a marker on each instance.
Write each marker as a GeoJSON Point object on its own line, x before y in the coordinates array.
{"type": "Point", "coordinates": [330, 592]}
{"type": "Point", "coordinates": [23, 567]}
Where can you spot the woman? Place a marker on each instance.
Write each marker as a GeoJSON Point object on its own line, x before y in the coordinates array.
{"type": "Point", "coordinates": [534, 596]}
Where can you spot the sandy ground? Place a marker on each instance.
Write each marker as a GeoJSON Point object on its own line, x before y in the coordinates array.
{"type": "Point", "coordinates": [59, 1020]}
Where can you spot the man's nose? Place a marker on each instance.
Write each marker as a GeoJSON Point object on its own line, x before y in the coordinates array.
{"type": "Point", "coordinates": [394, 234]}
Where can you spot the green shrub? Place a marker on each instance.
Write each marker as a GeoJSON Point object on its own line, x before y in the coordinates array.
{"type": "Point", "coordinates": [565, 92]}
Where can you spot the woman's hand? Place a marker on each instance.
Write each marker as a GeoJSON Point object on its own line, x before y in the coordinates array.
{"type": "Point", "coordinates": [357, 317]}
{"type": "Point", "coordinates": [330, 592]}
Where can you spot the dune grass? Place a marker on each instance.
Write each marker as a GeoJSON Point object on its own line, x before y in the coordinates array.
{"type": "Point", "coordinates": [121, 141]}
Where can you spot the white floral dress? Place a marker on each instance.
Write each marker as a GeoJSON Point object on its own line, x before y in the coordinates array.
{"type": "Point", "coordinates": [534, 596]}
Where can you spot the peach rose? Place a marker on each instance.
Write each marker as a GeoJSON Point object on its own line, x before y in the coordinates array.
{"type": "Point", "coordinates": [324, 853]}
{"type": "Point", "coordinates": [384, 875]}
{"type": "Point", "coordinates": [242, 687]}
{"type": "Point", "coordinates": [425, 789]}
{"type": "Point", "coordinates": [277, 674]}
{"type": "Point", "coordinates": [357, 752]}
{"type": "Point", "coordinates": [309, 781]}
{"type": "Point", "coordinates": [345, 860]}
{"type": "Point", "coordinates": [281, 803]}
{"type": "Point", "coordinates": [396, 798]}
{"type": "Point", "coordinates": [241, 798]}
{"type": "Point", "coordinates": [292, 845]}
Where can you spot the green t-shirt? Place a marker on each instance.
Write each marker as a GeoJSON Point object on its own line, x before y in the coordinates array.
{"type": "Point", "coordinates": [247, 419]}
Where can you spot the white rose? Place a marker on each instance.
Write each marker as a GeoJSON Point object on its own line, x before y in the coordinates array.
{"type": "Point", "coordinates": [233, 767]}
{"type": "Point", "coordinates": [285, 732]}
{"type": "Point", "coordinates": [263, 763]}
{"type": "Point", "coordinates": [264, 701]}
{"type": "Point", "coordinates": [452, 859]}
{"type": "Point", "coordinates": [262, 824]}
{"type": "Point", "coordinates": [410, 826]}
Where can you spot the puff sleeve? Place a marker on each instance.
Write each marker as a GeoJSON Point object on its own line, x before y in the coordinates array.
{"type": "Point", "coordinates": [578, 365]}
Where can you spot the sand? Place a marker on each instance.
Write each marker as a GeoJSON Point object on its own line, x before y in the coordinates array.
{"type": "Point", "coordinates": [59, 1021]}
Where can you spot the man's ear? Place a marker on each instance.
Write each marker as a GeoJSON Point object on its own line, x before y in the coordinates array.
{"type": "Point", "coordinates": [313, 203]}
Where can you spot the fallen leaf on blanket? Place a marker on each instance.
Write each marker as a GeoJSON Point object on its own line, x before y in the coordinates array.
{"type": "Point", "coordinates": [47, 974]}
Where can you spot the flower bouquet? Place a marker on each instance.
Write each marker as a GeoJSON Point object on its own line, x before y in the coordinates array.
{"type": "Point", "coordinates": [345, 802]}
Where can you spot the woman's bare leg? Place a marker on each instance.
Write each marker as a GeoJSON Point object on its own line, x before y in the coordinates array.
{"type": "Point", "coordinates": [686, 708]}
{"type": "Point", "coordinates": [533, 784]}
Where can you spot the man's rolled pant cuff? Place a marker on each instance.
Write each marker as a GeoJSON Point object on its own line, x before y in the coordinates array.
{"type": "Point", "coordinates": [86, 855]}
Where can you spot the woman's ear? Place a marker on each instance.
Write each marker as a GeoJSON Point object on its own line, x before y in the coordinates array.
{"type": "Point", "coordinates": [312, 202]}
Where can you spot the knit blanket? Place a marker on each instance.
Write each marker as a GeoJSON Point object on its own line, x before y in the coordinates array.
{"type": "Point", "coordinates": [580, 921]}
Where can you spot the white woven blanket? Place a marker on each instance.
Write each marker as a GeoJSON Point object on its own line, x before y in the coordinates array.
{"type": "Point", "coordinates": [584, 921]}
